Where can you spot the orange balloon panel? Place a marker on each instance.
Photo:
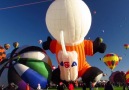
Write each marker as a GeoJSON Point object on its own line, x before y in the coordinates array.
{"type": "Point", "coordinates": [2, 53]}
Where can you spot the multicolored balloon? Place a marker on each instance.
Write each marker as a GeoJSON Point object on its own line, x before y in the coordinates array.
{"type": "Point", "coordinates": [111, 60]}
{"type": "Point", "coordinates": [127, 76]}
{"type": "Point", "coordinates": [28, 65]}
{"type": "Point", "coordinates": [2, 53]}
{"type": "Point", "coordinates": [126, 46]}
{"type": "Point", "coordinates": [6, 46]}
{"type": "Point", "coordinates": [15, 44]}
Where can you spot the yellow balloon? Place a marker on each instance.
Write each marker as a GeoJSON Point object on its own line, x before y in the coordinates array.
{"type": "Point", "coordinates": [111, 60]}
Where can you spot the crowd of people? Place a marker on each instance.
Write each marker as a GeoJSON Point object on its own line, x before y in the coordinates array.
{"type": "Point", "coordinates": [70, 86]}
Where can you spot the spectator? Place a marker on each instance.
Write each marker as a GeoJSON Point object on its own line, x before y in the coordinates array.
{"type": "Point", "coordinates": [60, 86]}
{"type": "Point", "coordinates": [2, 87]}
{"type": "Point", "coordinates": [70, 86]}
{"type": "Point", "coordinates": [91, 86]}
{"type": "Point", "coordinates": [84, 86]}
{"type": "Point", "coordinates": [108, 86]}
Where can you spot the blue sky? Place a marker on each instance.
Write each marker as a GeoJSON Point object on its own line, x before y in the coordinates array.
{"type": "Point", "coordinates": [26, 25]}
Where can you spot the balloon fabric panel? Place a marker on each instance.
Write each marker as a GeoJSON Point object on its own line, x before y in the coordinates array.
{"type": "Point", "coordinates": [81, 51]}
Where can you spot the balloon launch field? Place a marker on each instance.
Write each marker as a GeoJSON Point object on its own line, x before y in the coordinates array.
{"type": "Point", "coordinates": [100, 88]}
{"type": "Point", "coordinates": [64, 43]}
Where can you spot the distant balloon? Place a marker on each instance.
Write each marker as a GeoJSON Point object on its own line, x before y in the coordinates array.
{"type": "Point", "coordinates": [94, 12]}
{"type": "Point", "coordinates": [6, 46]}
{"type": "Point", "coordinates": [111, 60]}
{"type": "Point", "coordinates": [120, 58]}
{"type": "Point", "coordinates": [126, 46]}
{"type": "Point", "coordinates": [15, 44]}
{"type": "Point", "coordinates": [40, 41]}
{"type": "Point", "coordinates": [2, 53]}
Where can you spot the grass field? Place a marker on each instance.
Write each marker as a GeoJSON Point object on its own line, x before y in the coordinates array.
{"type": "Point", "coordinates": [115, 88]}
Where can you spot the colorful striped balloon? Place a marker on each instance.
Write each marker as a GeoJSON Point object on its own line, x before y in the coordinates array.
{"type": "Point", "coordinates": [2, 53]}
{"type": "Point", "coordinates": [127, 76]}
{"type": "Point", "coordinates": [27, 65]}
{"type": "Point", "coordinates": [126, 46]}
{"type": "Point", "coordinates": [111, 60]}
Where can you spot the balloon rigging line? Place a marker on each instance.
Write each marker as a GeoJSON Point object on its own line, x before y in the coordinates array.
{"type": "Point", "coordinates": [24, 5]}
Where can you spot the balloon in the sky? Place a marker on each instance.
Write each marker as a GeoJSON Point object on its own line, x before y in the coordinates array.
{"type": "Point", "coordinates": [40, 41]}
{"type": "Point", "coordinates": [126, 46]}
{"type": "Point", "coordinates": [26, 65]}
{"type": "Point", "coordinates": [2, 53]}
{"type": "Point", "coordinates": [127, 76]}
{"type": "Point", "coordinates": [111, 60]}
{"type": "Point", "coordinates": [6, 46]}
{"type": "Point", "coordinates": [15, 44]}
{"type": "Point", "coordinates": [94, 12]}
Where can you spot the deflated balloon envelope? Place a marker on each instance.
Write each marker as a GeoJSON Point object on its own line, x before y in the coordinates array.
{"type": "Point", "coordinates": [26, 65]}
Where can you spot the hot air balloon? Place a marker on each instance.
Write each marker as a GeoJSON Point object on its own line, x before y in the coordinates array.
{"type": "Point", "coordinates": [126, 46]}
{"type": "Point", "coordinates": [127, 76]}
{"type": "Point", "coordinates": [2, 53]}
{"type": "Point", "coordinates": [40, 41]}
{"type": "Point", "coordinates": [111, 60]}
{"type": "Point", "coordinates": [94, 12]}
{"type": "Point", "coordinates": [15, 44]}
{"type": "Point", "coordinates": [69, 45]}
{"type": "Point", "coordinates": [28, 65]}
{"type": "Point", "coordinates": [6, 46]}
{"type": "Point", "coordinates": [117, 76]}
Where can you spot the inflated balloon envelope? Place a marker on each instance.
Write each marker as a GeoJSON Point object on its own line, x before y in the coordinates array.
{"type": "Point", "coordinates": [27, 65]}
{"type": "Point", "coordinates": [69, 21]}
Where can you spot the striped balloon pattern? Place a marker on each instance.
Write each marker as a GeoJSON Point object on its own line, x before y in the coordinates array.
{"type": "Point", "coordinates": [26, 65]}
{"type": "Point", "coordinates": [127, 76]}
{"type": "Point", "coordinates": [2, 53]}
{"type": "Point", "coordinates": [111, 60]}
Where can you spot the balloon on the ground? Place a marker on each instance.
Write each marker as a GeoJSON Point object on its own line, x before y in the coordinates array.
{"type": "Point", "coordinates": [2, 53]}
{"type": "Point", "coordinates": [15, 44]}
{"type": "Point", "coordinates": [111, 60]}
{"type": "Point", "coordinates": [117, 76]}
{"type": "Point", "coordinates": [127, 76]}
{"type": "Point", "coordinates": [6, 46]}
{"type": "Point", "coordinates": [27, 65]}
{"type": "Point", "coordinates": [126, 46]}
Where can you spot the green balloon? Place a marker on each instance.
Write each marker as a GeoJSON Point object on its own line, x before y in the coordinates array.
{"type": "Point", "coordinates": [39, 66]}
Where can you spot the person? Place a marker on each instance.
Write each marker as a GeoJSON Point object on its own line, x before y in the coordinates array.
{"type": "Point", "coordinates": [91, 86]}
{"type": "Point", "coordinates": [2, 87]}
{"type": "Point", "coordinates": [39, 87]}
{"type": "Point", "coordinates": [84, 86]}
{"type": "Point", "coordinates": [108, 86]}
{"type": "Point", "coordinates": [70, 86]}
{"type": "Point", "coordinates": [60, 86]}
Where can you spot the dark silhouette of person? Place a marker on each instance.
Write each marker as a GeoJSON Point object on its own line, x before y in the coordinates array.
{"type": "Point", "coordinates": [108, 86]}
{"type": "Point", "coordinates": [84, 86]}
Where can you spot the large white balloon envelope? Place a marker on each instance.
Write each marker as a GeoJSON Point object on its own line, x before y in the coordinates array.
{"type": "Point", "coordinates": [73, 17]}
